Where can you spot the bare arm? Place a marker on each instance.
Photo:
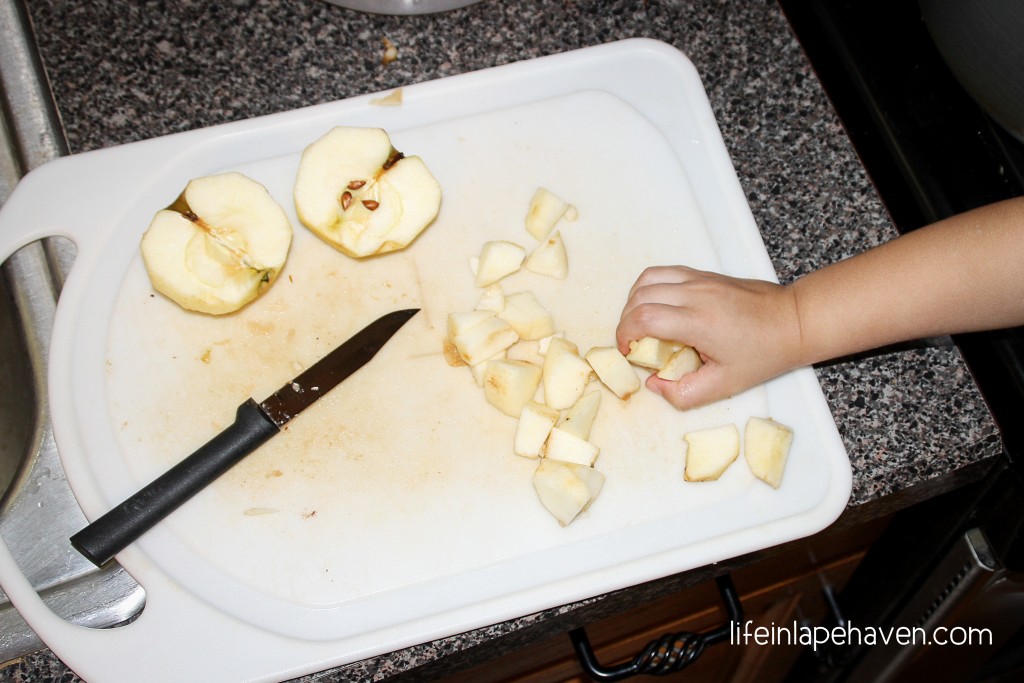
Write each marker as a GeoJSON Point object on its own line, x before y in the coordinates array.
{"type": "Point", "coordinates": [959, 275]}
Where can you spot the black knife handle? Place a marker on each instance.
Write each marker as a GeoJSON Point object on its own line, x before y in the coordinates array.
{"type": "Point", "coordinates": [112, 532]}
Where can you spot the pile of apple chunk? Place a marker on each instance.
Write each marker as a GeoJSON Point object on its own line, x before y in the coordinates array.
{"type": "Point", "coordinates": [530, 371]}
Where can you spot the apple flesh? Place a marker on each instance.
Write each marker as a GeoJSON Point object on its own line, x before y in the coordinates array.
{"type": "Point", "coordinates": [565, 374]}
{"type": "Point", "coordinates": [479, 335]}
{"type": "Point", "coordinates": [566, 489]}
{"type": "Point", "coordinates": [766, 445]}
{"type": "Point", "coordinates": [362, 196]}
{"type": "Point", "coordinates": [510, 384]}
{"type": "Point", "coordinates": [527, 316]}
{"type": "Point", "coordinates": [579, 419]}
{"type": "Point", "coordinates": [549, 258]}
{"type": "Point", "coordinates": [709, 452]}
{"type": "Point", "coordinates": [492, 299]}
{"type": "Point", "coordinates": [478, 371]}
{"type": "Point", "coordinates": [650, 352]}
{"type": "Point", "coordinates": [219, 246]}
{"type": "Point", "coordinates": [546, 208]}
{"type": "Point", "coordinates": [614, 371]}
{"type": "Point", "coordinates": [565, 446]}
{"type": "Point", "coordinates": [682, 362]}
{"type": "Point", "coordinates": [460, 322]}
{"type": "Point", "coordinates": [498, 259]}
{"type": "Point", "coordinates": [535, 423]}
{"type": "Point", "coordinates": [527, 349]}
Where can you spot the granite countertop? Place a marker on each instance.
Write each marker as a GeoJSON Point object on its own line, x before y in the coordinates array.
{"type": "Point", "coordinates": [912, 421]}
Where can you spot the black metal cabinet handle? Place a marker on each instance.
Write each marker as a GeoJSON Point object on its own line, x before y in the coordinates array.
{"type": "Point", "coordinates": [668, 654]}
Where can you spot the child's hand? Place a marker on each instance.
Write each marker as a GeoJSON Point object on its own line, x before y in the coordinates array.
{"type": "Point", "coordinates": [746, 331]}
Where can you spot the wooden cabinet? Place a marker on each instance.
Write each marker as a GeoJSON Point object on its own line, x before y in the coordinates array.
{"type": "Point", "coordinates": [776, 591]}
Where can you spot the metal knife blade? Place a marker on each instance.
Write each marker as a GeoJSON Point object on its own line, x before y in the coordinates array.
{"type": "Point", "coordinates": [254, 424]}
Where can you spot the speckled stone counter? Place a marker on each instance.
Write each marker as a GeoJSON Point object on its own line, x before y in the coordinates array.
{"type": "Point", "coordinates": [912, 421]}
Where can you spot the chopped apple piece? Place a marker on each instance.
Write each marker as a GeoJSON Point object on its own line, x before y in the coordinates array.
{"type": "Point", "coordinates": [766, 446]}
{"type": "Point", "coordinates": [393, 98]}
{"type": "Point", "coordinates": [218, 246]}
{"type": "Point", "coordinates": [498, 259]}
{"type": "Point", "coordinates": [650, 352]}
{"type": "Point", "coordinates": [545, 209]}
{"type": "Point", "coordinates": [527, 316]}
{"type": "Point", "coordinates": [493, 299]}
{"type": "Point", "coordinates": [463, 320]}
{"type": "Point", "coordinates": [614, 370]}
{"type": "Point", "coordinates": [709, 452]}
{"type": "Point", "coordinates": [682, 362]}
{"type": "Point", "coordinates": [480, 368]}
{"type": "Point", "coordinates": [535, 423]}
{"type": "Point", "coordinates": [565, 374]}
{"type": "Point", "coordinates": [526, 349]}
{"type": "Point", "coordinates": [484, 340]}
{"type": "Point", "coordinates": [566, 489]}
{"type": "Point", "coordinates": [509, 384]}
{"type": "Point", "coordinates": [549, 258]}
{"type": "Point", "coordinates": [359, 194]}
{"type": "Point", "coordinates": [565, 446]}
{"type": "Point", "coordinates": [579, 419]}
{"type": "Point", "coordinates": [543, 344]}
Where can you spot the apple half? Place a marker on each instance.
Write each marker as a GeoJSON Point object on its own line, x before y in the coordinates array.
{"type": "Point", "coordinates": [361, 195]}
{"type": "Point", "coordinates": [219, 246]}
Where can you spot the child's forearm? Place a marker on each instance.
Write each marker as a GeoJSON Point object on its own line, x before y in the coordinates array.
{"type": "Point", "coordinates": [959, 275]}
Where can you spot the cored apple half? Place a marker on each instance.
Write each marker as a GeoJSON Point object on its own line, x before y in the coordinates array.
{"type": "Point", "coordinates": [361, 195]}
{"type": "Point", "coordinates": [219, 245]}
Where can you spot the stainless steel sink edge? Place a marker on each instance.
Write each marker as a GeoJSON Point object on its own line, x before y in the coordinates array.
{"type": "Point", "coordinates": [38, 511]}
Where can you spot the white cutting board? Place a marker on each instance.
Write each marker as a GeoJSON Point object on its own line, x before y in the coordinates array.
{"type": "Point", "coordinates": [393, 511]}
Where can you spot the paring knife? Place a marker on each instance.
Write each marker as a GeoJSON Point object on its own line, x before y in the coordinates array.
{"type": "Point", "coordinates": [254, 424]}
